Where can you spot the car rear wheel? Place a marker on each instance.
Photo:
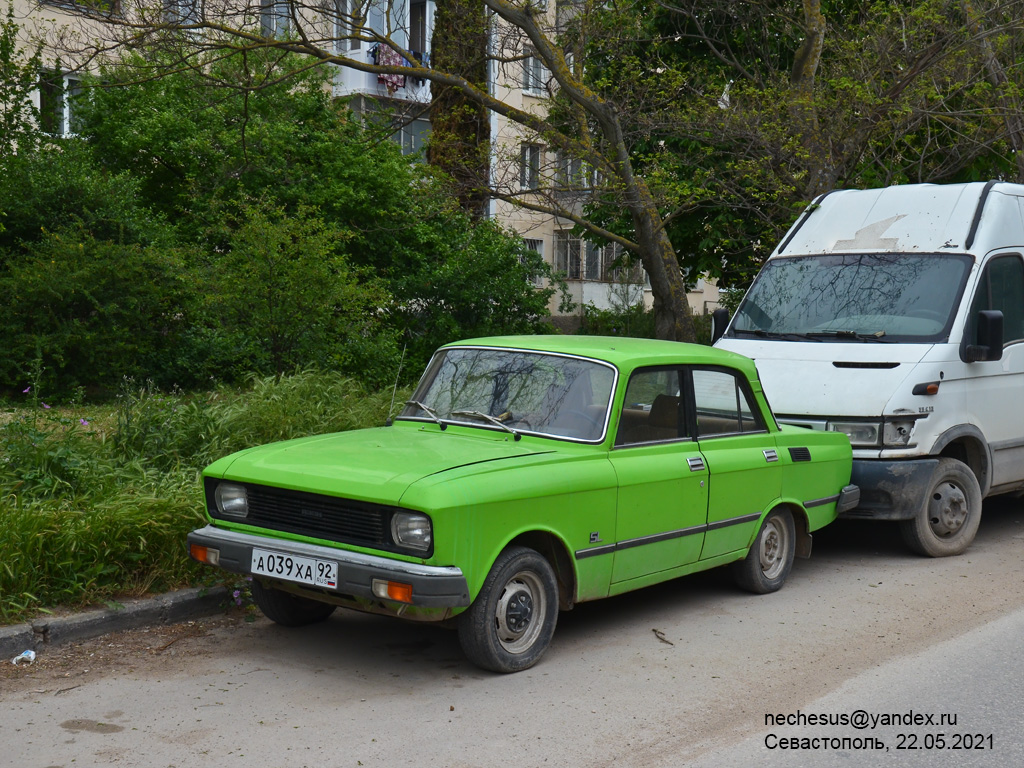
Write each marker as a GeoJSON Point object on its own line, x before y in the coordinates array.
{"type": "Point", "coordinates": [770, 558]}
{"type": "Point", "coordinates": [510, 624]}
{"type": "Point", "coordinates": [287, 609]}
{"type": "Point", "coordinates": [950, 513]}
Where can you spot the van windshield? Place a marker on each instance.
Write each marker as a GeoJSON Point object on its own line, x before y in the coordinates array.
{"type": "Point", "coordinates": [854, 297]}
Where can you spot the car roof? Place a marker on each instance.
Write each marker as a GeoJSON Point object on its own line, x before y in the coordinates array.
{"type": "Point", "coordinates": [622, 352]}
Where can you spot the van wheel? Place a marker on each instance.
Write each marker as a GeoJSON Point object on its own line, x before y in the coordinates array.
{"type": "Point", "coordinates": [510, 624]}
{"type": "Point", "coordinates": [287, 609]}
{"type": "Point", "coordinates": [770, 557]}
{"type": "Point", "coordinates": [949, 516]}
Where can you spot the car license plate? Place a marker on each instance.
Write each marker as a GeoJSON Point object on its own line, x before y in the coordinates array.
{"type": "Point", "coordinates": [305, 570]}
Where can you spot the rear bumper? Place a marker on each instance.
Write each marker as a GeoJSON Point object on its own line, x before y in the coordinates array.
{"type": "Point", "coordinates": [890, 490]}
{"type": "Point", "coordinates": [432, 586]}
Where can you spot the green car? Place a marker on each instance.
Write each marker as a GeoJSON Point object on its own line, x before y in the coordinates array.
{"type": "Point", "coordinates": [525, 475]}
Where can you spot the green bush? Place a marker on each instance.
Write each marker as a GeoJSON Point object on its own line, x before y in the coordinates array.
{"type": "Point", "coordinates": [83, 308]}
{"type": "Point", "coordinates": [95, 507]}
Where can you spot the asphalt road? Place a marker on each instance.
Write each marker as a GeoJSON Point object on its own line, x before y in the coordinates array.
{"type": "Point", "coordinates": [679, 674]}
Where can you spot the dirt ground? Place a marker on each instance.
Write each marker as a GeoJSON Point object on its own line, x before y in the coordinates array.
{"type": "Point", "coordinates": [162, 647]}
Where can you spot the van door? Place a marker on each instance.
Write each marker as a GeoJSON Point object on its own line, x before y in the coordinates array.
{"type": "Point", "coordinates": [995, 388]}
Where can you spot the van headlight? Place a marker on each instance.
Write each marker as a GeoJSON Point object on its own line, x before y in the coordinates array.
{"type": "Point", "coordinates": [890, 434]}
{"type": "Point", "coordinates": [859, 432]}
{"type": "Point", "coordinates": [412, 530]}
{"type": "Point", "coordinates": [231, 500]}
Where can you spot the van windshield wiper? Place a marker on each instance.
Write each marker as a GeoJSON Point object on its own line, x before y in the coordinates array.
{"type": "Point", "coordinates": [763, 334]}
{"type": "Point", "coordinates": [877, 336]}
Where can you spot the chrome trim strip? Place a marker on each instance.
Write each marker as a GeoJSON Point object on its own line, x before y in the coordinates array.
{"type": "Point", "coordinates": [654, 538]}
{"type": "Point", "coordinates": [734, 521]}
{"type": "Point", "coordinates": [820, 502]}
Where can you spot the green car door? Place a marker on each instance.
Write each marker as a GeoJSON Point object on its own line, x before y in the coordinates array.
{"type": "Point", "coordinates": [662, 481]}
{"type": "Point", "coordinates": [746, 474]}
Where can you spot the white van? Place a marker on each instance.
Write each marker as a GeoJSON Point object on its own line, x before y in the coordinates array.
{"type": "Point", "coordinates": [897, 316]}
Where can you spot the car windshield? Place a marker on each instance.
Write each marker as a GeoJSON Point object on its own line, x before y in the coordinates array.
{"type": "Point", "coordinates": [854, 297]}
{"type": "Point", "coordinates": [517, 391]}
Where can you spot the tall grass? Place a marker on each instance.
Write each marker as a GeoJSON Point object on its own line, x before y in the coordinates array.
{"type": "Point", "coordinates": [96, 503]}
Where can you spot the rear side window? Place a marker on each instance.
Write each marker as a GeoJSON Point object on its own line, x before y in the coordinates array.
{"type": "Point", "coordinates": [1002, 288]}
{"type": "Point", "coordinates": [722, 404]}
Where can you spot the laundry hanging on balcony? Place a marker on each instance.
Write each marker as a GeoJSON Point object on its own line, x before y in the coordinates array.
{"type": "Point", "coordinates": [386, 56]}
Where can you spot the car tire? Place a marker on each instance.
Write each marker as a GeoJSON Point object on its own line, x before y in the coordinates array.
{"type": "Point", "coordinates": [949, 516]}
{"type": "Point", "coordinates": [770, 558]}
{"type": "Point", "coordinates": [287, 609]}
{"type": "Point", "coordinates": [510, 624]}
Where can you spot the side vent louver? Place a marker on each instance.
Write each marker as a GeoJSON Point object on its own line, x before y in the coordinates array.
{"type": "Point", "coordinates": [800, 454]}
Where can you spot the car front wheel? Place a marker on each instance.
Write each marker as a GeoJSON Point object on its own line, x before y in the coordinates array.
{"type": "Point", "coordinates": [510, 624]}
{"type": "Point", "coordinates": [770, 557]}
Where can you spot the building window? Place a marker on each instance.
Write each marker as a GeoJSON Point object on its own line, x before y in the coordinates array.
{"type": "Point", "coordinates": [58, 95]}
{"type": "Point", "coordinates": [537, 246]}
{"type": "Point", "coordinates": [529, 166]}
{"type": "Point", "coordinates": [345, 25]}
{"type": "Point", "coordinates": [567, 254]}
{"type": "Point", "coordinates": [535, 76]}
{"type": "Point", "coordinates": [275, 17]}
{"type": "Point", "coordinates": [578, 259]}
{"type": "Point", "coordinates": [418, 26]}
{"type": "Point", "coordinates": [412, 136]}
{"type": "Point", "coordinates": [183, 11]}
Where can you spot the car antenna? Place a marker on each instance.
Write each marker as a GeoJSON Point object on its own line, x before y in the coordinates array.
{"type": "Point", "coordinates": [394, 391]}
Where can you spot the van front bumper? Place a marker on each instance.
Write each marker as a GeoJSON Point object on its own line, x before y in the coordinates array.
{"type": "Point", "coordinates": [432, 586]}
{"type": "Point", "coordinates": [890, 489]}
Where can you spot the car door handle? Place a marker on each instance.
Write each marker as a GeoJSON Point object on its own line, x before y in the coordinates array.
{"type": "Point", "coordinates": [696, 463]}
{"type": "Point", "coordinates": [770, 455]}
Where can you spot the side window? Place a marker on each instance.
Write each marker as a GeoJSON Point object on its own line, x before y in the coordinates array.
{"type": "Point", "coordinates": [1002, 287]}
{"type": "Point", "coordinates": [722, 405]}
{"type": "Point", "coordinates": [652, 411]}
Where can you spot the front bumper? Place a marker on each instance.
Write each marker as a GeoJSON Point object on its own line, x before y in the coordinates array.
{"type": "Point", "coordinates": [891, 489]}
{"type": "Point", "coordinates": [432, 586]}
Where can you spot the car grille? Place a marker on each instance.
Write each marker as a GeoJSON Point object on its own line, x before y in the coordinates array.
{"type": "Point", "coordinates": [322, 517]}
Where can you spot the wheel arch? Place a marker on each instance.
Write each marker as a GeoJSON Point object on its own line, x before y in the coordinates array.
{"type": "Point", "coordinates": [552, 549]}
{"type": "Point", "coordinates": [801, 526]}
{"type": "Point", "coordinates": [967, 444]}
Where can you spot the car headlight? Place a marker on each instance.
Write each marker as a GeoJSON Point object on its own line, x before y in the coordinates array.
{"type": "Point", "coordinates": [412, 530]}
{"type": "Point", "coordinates": [859, 432]}
{"type": "Point", "coordinates": [231, 500]}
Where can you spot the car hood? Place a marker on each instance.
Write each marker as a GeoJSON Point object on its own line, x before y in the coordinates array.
{"type": "Point", "coordinates": [369, 464]}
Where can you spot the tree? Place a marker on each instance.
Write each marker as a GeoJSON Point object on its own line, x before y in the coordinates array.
{"type": "Point", "coordinates": [692, 133]}
{"type": "Point", "coordinates": [19, 75]}
{"type": "Point", "coordinates": [595, 135]}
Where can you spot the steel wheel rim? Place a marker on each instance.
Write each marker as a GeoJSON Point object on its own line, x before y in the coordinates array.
{"type": "Point", "coordinates": [947, 509]}
{"type": "Point", "coordinates": [773, 547]}
{"type": "Point", "coordinates": [520, 612]}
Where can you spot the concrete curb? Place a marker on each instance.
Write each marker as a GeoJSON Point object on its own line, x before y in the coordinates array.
{"type": "Point", "coordinates": [169, 608]}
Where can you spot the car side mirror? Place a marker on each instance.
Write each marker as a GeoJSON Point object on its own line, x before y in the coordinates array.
{"type": "Point", "coordinates": [719, 322]}
{"type": "Point", "coordinates": [989, 335]}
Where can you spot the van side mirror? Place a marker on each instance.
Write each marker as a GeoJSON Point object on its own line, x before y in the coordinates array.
{"type": "Point", "coordinates": [719, 322]}
{"type": "Point", "coordinates": [989, 335]}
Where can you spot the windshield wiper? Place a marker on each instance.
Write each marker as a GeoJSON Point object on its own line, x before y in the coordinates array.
{"type": "Point", "coordinates": [762, 334]}
{"type": "Point", "coordinates": [491, 419]}
{"type": "Point", "coordinates": [427, 411]}
{"type": "Point", "coordinates": [877, 336]}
